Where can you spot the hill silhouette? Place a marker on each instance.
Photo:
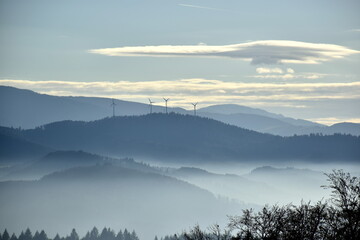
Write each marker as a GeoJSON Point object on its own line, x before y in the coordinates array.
{"type": "Point", "coordinates": [14, 148]}
{"type": "Point", "coordinates": [233, 109]}
{"type": "Point", "coordinates": [29, 109]}
{"type": "Point", "coordinates": [110, 195]}
{"type": "Point", "coordinates": [175, 136]}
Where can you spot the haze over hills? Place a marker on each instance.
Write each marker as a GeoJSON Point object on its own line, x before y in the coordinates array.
{"type": "Point", "coordinates": [298, 183]}
{"type": "Point", "coordinates": [29, 109]}
{"type": "Point", "coordinates": [175, 137]}
{"type": "Point", "coordinates": [36, 168]}
{"type": "Point", "coordinates": [111, 196]}
{"type": "Point", "coordinates": [14, 148]}
{"type": "Point", "coordinates": [51, 162]}
{"type": "Point", "coordinates": [77, 168]}
{"type": "Point", "coordinates": [232, 186]}
{"type": "Point", "coordinates": [266, 122]}
{"type": "Point", "coordinates": [229, 109]}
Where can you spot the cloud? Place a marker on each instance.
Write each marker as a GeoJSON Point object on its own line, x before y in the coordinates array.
{"type": "Point", "coordinates": [290, 70]}
{"type": "Point", "coordinates": [269, 70]}
{"type": "Point", "coordinates": [205, 91]}
{"type": "Point", "coordinates": [257, 52]}
{"type": "Point", "coordinates": [333, 120]}
{"type": "Point", "coordinates": [290, 74]}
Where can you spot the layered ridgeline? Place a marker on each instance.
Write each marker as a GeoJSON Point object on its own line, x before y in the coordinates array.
{"type": "Point", "coordinates": [93, 190]}
{"type": "Point", "coordinates": [28, 109]}
{"type": "Point", "coordinates": [108, 195]}
{"type": "Point", "coordinates": [37, 167]}
{"type": "Point", "coordinates": [181, 138]}
{"type": "Point", "coordinates": [263, 185]}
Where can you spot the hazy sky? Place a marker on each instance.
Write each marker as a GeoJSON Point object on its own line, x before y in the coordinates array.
{"type": "Point", "coordinates": [298, 58]}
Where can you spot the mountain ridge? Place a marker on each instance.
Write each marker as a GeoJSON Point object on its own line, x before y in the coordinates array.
{"type": "Point", "coordinates": [29, 109]}
{"type": "Point", "coordinates": [110, 195]}
{"type": "Point", "coordinates": [174, 137]}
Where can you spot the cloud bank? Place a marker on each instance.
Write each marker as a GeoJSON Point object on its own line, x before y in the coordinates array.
{"type": "Point", "coordinates": [257, 52]}
{"type": "Point", "coordinates": [207, 92]}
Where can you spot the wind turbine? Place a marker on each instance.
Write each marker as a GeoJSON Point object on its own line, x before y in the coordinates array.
{"type": "Point", "coordinates": [166, 100]}
{"type": "Point", "coordinates": [151, 102]}
{"type": "Point", "coordinates": [194, 104]}
{"type": "Point", "coordinates": [113, 104]}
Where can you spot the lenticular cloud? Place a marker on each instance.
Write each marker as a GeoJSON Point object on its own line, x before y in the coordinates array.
{"type": "Point", "coordinates": [258, 52]}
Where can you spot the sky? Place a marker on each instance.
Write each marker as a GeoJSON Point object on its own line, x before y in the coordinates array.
{"type": "Point", "coordinates": [297, 58]}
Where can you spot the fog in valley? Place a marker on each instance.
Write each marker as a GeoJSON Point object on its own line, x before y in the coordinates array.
{"type": "Point", "coordinates": [159, 173]}
{"type": "Point", "coordinates": [74, 189]}
{"type": "Point", "coordinates": [179, 120]}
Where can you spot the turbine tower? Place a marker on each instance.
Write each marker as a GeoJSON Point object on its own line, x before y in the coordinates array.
{"type": "Point", "coordinates": [194, 104]}
{"type": "Point", "coordinates": [151, 102]}
{"type": "Point", "coordinates": [166, 100]}
{"type": "Point", "coordinates": [113, 104]}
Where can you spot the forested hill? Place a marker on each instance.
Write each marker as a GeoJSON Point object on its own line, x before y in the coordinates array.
{"type": "Point", "coordinates": [109, 195]}
{"type": "Point", "coordinates": [175, 136]}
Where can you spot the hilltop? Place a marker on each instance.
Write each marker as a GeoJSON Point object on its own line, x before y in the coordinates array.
{"type": "Point", "coordinates": [29, 109]}
{"type": "Point", "coordinates": [175, 137]}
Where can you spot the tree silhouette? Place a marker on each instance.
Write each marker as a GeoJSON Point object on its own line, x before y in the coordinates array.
{"type": "Point", "coordinates": [73, 235]}
{"type": "Point", "coordinates": [13, 237]}
{"type": "Point", "coordinates": [346, 199]}
{"type": "Point", "coordinates": [134, 236]}
{"type": "Point", "coordinates": [120, 236]}
{"type": "Point", "coordinates": [27, 235]}
{"type": "Point", "coordinates": [5, 235]}
{"type": "Point", "coordinates": [337, 219]}
{"type": "Point", "coordinates": [127, 235]}
{"type": "Point", "coordinates": [57, 237]}
{"type": "Point", "coordinates": [22, 236]}
{"type": "Point", "coordinates": [106, 234]}
{"type": "Point", "coordinates": [94, 234]}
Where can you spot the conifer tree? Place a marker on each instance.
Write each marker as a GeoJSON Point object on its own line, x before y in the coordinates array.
{"type": "Point", "coordinates": [5, 235]}
{"type": "Point", "coordinates": [134, 235]}
{"type": "Point", "coordinates": [127, 235]}
{"type": "Point", "coordinates": [21, 236]}
{"type": "Point", "coordinates": [120, 236]}
{"type": "Point", "coordinates": [13, 237]}
{"type": "Point", "coordinates": [73, 235]}
{"type": "Point", "coordinates": [57, 237]}
{"type": "Point", "coordinates": [42, 235]}
{"type": "Point", "coordinates": [94, 234]}
{"type": "Point", "coordinates": [36, 236]}
{"type": "Point", "coordinates": [28, 235]}
{"type": "Point", "coordinates": [87, 236]}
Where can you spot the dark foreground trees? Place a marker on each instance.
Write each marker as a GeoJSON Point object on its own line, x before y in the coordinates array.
{"type": "Point", "coordinates": [336, 219]}
{"type": "Point", "coordinates": [106, 234]}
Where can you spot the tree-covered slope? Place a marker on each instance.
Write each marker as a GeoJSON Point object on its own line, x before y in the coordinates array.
{"type": "Point", "coordinates": [175, 136]}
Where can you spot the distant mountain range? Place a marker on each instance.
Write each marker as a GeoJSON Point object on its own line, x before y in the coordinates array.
{"type": "Point", "coordinates": [112, 196]}
{"type": "Point", "coordinates": [262, 185]}
{"type": "Point", "coordinates": [27, 109]}
{"type": "Point", "coordinates": [184, 138]}
{"type": "Point", "coordinates": [300, 183]}
{"type": "Point", "coordinates": [231, 185]}
{"type": "Point", "coordinates": [14, 148]}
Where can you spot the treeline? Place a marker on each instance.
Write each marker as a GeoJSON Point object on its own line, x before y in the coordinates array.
{"type": "Point", "coordinates": [174, 136]}
{"type": "Point", "coordinates": [336, 219]}
{"type": "Point", "coordinates": [106, 234]}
